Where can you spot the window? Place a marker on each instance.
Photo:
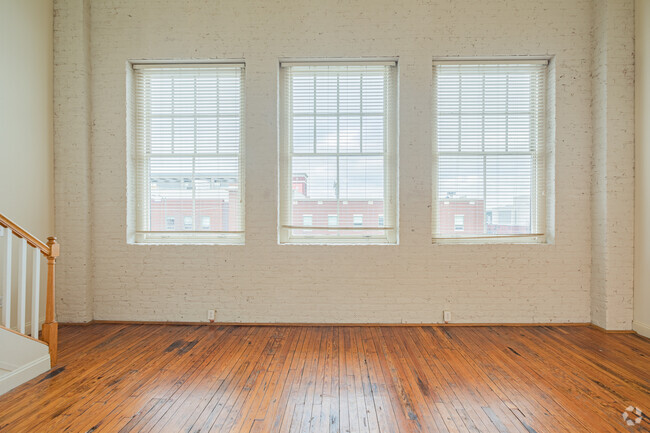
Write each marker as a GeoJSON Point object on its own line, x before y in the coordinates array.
{"type": "Point", "coordinates": [187, 223]}
{"type": "Point", "coordinates": [308, 220]}
{"type": "Point", "coordinates": [170, 223]}
{"type": "Point", "coordinates": [338, 152]}
{"type": "Point", "coordinates": [187, 123]}
{"type": "Point", "coordinates": [489, 150]}
{"type": "Point", "coordinates": [205, 223]}
{"type": "Point", "coordinates": [357, 220]}
{"type": "Point", "coordinates": [380, 220]}
{"type": "Point", "coordinates": [459, 223]}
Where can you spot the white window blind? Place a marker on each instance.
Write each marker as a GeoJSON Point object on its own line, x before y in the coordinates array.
{"type": "Point", "coordinates": [338, 153]}
{"type": "Point", "coordinates": [188, 125]}
{"type": "Point", "coordinates": [489, 151]}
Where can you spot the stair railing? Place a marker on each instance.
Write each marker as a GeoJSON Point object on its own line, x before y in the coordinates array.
{"type": "Point", "coordinates": [26, 241]}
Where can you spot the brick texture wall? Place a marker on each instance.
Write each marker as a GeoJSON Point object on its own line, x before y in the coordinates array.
{"type": "Point", "coordinates": [105, 278]}
{"type": "Point", "coordinates": [72, 150]}
{"type": "Point", "coordinates": [613, 164]}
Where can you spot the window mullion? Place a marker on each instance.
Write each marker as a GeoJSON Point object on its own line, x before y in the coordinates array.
{"type": "Point", "coordinates": [146, 168]}
{"type": "Point", "coordinates": [361, 113]}
{"type": "Point", "coordinates": [484, 157]}
{"type": "Point", "coordinates": [172, 139]}
{"type": "Point", "coordinates": [337, 191]}
{"type": "Point", "coordinates": [387, 131]}
{"type": "Point", "coordinates": [315, 150]}
{"type": "Point", "coordinates": [534, 148]}
{"type": "Point", "coordinates": [194, 162]}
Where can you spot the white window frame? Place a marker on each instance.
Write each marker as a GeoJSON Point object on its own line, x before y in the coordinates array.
{"type": "Point", "coordinates": [138, 196]}
{"type": "Point", "coordinates": [390, 154]}
{"type": "Point", "coordinates": [539, 201]}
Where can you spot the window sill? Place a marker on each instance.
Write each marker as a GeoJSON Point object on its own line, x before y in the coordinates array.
{"type": "Point", "coordinates": [180, 244]}
{"type": "Point", "coordinates": [349, 244]}
{"type": "Point", "coordinates": [144, 239]}
{"type": "Point", "coordinates": [338, 242]}
{"type": "Point", "coordinates": [538, 240]}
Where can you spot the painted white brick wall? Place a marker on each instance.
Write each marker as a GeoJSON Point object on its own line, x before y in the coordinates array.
{"type": "Point", "coordinates": [72, 148]}
{"type": "Point", "coordinates": [613, 164]}
{"type": "Point", "coordinates": [263, 281]}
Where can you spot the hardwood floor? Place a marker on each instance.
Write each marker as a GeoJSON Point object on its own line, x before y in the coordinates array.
{"type": "Point", "coordinates": [165, 378]}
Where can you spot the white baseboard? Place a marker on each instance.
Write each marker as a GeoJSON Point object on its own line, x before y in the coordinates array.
{"type": "Point", "coordinates": [24, 373]}
{"type": "Point", "coordinates": [641, 328]}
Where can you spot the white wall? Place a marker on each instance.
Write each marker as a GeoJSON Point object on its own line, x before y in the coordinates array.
{"type": "Point", "coordinates": [642, 171]}
{"type": "Point", "coordinates": [72, 120]}
{"type": "Point", "coordinates": [612, 188]}
{"type": "Point", "coordinates": [26, 168]}
{"type": "Point", "coordinates": [263, 281]}
{"type": "Point", "coordinates": [26, 171]}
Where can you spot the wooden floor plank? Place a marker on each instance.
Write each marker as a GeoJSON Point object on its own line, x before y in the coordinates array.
{"type": "Point", "coordinates": [386, 391]}
{"type": "Point", "coordinates": [312, 379]}
{"type": "Point", "coordinates": [274, 415]}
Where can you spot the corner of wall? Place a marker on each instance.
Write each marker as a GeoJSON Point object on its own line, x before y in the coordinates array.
{"type": "Point", "coordinates": [612, 186]}
{"type": "Point", "coordinates": [72, 151]}
{"type": "Point", "coordinates": [642, 169]}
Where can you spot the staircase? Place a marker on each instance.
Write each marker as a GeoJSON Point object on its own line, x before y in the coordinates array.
{"type": "Point", "coordinates": [25, 352]}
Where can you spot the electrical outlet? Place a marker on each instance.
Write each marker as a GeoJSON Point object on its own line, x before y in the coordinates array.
{"type": "Point", "coordinates": [211, 314]}
{"type": "Point", "coordinates": [446, 316]}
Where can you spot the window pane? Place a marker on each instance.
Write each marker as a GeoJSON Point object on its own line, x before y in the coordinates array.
{"type": "Point", "coordinates": [187, 223]}
{"type": "Point", "coordinates": [314, 178]}
{"type": "Point", "coordinates": [303, 130]}
{"type": "Point", "coordinates": [508, 194]}
{"type": "Point", "coordinates": [459, 223]}
{"type": "Point", "coordinates": [327, 135]}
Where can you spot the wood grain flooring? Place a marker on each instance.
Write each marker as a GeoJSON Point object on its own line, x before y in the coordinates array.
{"type": "Point", "coordinates": [165, 378]}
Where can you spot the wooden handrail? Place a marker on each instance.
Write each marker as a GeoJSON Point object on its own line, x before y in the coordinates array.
{"type": "Point", "coordinates": [51, 250]}
{"type": "Point", "coordinates": [22, 233]}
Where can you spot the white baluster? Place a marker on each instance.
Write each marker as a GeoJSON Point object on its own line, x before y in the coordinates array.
{"type": "Point", "coordinates": [6, 280]}
{"type": "Point", "coordinates": [36, 283]}
{"type": "Point", "coordinates": [22, 284]}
